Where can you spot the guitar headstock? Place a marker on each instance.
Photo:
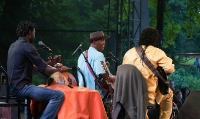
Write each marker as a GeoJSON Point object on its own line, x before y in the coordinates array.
{"type": "Point", "coordinates": [103, 65]}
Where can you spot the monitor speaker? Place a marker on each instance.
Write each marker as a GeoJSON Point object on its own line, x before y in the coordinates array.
{"type": "Point", "coordinates": [191, 107]}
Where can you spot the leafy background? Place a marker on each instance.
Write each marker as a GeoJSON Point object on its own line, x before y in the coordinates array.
{"type": "Point", "coordinates": [64, 24]}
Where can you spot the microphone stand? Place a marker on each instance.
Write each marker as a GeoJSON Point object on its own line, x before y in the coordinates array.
{"type": "Point", "coordinates": [114, 58]}
{"type": "Point", "coordinates": [117, 61]}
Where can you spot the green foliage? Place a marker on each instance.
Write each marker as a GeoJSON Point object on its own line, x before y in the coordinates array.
{"type": "Point", "coordinates": [188, 24]}
{"type": "Point", "coordinates": [153, 13]}
{"type": "Point", "coordinates": [186, 77]}
{"type": "Point", "coordinates": [64, 24]}
{"type": "Point", "coordinates": [61, 24]}
{"type": "Point", "coordinates": [179, 18]}
{"type": "Point", "coordinates": [171, 27]}
{"type": "Point", "coordinates": [193, 83]}
{"type": "Point", "coordinates": [170, 33]}
{"type": "Point", "coordinates": [39, 78]}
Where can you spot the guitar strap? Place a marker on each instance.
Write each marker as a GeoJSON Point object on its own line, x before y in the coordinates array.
{"type": "Point", "coordinates": [91, 70]}
{"type": "Point", "coordinates": [149, 64]}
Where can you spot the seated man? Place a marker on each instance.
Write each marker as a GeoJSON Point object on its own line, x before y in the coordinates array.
{"type": "Point", "coordinates": [23, 59]}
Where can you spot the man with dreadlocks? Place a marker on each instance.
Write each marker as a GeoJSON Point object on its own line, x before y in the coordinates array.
{"type": "Point", "coordinates": [149, 40]}
{"type": "Point", "coordinates": [22, 59]}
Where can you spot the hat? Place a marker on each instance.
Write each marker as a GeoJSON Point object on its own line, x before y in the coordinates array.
{"type": "Point", "coordinates": [98, 35]}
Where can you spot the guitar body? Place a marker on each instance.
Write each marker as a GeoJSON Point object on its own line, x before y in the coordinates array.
{"type": "Point", "coordinates": [164, 88]}
{"type": "Point", "coordinates": [104, 85]}
{"type": "Point", "coordinates": [107, 74]}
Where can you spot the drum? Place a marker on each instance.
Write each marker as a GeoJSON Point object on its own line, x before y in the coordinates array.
{"type": "Point", "coordinates": [64, 78]}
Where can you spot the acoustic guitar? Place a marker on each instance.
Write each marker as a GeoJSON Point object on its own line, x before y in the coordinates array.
{"type": "Point", "coordinates": [109, 100]}
{"type": "Point", "coordinates": [106, 69]}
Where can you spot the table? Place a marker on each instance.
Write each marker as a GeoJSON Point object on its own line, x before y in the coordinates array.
{"type": "Point", "coordinates": [80, 103]}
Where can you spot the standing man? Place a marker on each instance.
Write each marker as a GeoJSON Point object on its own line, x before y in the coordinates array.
{"type": "Point", "coordinates": [149, 40]}
{"type": "Point", "coordinates": [196, 63]}
{"type": "Point", "coordinates": [23, 58]}
{"type": "Point", "coordinates": [94, 56]}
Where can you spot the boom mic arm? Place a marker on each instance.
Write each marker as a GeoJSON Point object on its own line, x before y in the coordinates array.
{"type": "Point", "coordinates": [77, 49]}
{"type": "Point", "coordinates": [114, 58]}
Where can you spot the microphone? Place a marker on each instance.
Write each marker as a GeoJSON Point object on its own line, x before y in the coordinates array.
{"type": "Point", "coordinates": [77, 49]}
{"type": "Point", "coordinates": [113, 57]}
{"type": "Point", "coordinates": [42, 44]}
{"type": "Point", "coordinates": [3, 70]}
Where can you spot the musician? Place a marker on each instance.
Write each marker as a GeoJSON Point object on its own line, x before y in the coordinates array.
{"type": "Point", "coordinates": [97, 43]}
{"type": "Point", "coordinates": [23, 58]}
{"type": "Point", "coordinates": [149, 40]}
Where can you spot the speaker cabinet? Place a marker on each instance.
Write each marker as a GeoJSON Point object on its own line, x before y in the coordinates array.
{"type": "Point", "coordinates": [191, 107]}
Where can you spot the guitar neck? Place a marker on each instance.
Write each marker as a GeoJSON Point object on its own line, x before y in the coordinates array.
{"type": "Point", "coordinates": [106, 68]}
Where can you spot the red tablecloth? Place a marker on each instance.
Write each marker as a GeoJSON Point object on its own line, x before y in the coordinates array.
{"type": "Point", "coordinates": [80, 103]}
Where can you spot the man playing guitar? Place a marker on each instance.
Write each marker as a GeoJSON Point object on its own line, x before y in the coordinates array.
{"type": "Point", "coordinates": [93, 71]}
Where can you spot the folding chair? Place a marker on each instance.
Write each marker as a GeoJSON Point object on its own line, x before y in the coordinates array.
{"type": "Point", "coordinates": [75, 71]}
{"type": "Point", "coordinates": [6, 97]}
